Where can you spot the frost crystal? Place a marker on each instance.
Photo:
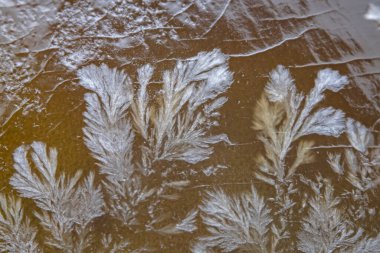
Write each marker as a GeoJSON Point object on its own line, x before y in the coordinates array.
{"type": "Point", "coordinates": [235, 223]}
{"type": "Point", "coordinates": [280, 84]}
{"type": "Point", "coordinates": [16, 233]}
{"type": "Point", "coordinates": [360, 167]}
{"type": "Point", "coordinates": [177, 128]}
{"type": "Point", "coordinates": [66, 206]}
{"type": "Point", "coordinates": [330, 80]}
{"type": "Point", "coordinates": [284, 115]}
{"type": "Point", "coordinates": [172, 125]}
{"type": "Point", "coordinates": [373, 13]}
{"type": "Point", "coordinates": [325, 229]}
{"type": "Point", "coordinates": [359, 136]}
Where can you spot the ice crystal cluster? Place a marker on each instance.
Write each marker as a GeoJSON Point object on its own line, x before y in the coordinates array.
{"type": "Point", "coordinates": [359, 165]}
{"type": "Point", "coordinates": [146, 134]}
{"type": "Point", "coordinates": [172, 126]}
{"type": "Point", "coordinates": [149, 131]}
{"type": "Point", "coordinates": [36, 34]}
{"type": "Point", "coordinates": [285, 219]}
{"type": "Point", "coordinates": [153, 133]}
{"type": "Point", "coordinates": [373, 13]}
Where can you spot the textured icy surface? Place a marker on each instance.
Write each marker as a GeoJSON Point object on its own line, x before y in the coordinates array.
{"type": "Point", "coordinates": [44, 43]}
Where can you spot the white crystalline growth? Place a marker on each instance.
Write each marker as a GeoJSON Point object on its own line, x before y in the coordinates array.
{"type": "Point", "coordinates": [373, 13]}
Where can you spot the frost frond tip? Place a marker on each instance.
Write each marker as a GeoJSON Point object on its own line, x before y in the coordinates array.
{"type": "Point", "coordinates": [101, 78]}
{"type": "Point", "coordinates": [188, 224]}
{"type": "Point", "coordinates": [113, 87]}
{"type": "Point", "coordinates": [66, 206]}
{"type": "Point", "coordinates": [326, 121]}
{"type": "Point", "coordinates": [209, 60]}
{"type": "Point", "coordinates": [279, 85]}
{"type": "Point", "coordinates": [235, 222]}
{"type": "Point", "coordinates": [334, 160]}
{"type": "Point", "coordinates": [329, 79]}
{"type": "Point", "coordinates": [24, 180]}
{"type": "Point", "coordinates": [16, 233]}
{"type": "Point", "coordinates": [325, 226]}
{"type": "Point", "coordinates": [368, 245]}
{"type": "Point", "coordinates": [373, 12]}
{"type": "Point", "coordinates": [358, 135]}
{"type": "Point", "coordinates": [144, 74]}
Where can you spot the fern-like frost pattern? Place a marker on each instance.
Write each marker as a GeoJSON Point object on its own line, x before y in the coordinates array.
{"type": "Point", "coordinates": [172, 126]}
{"type": "Point", "coordinates": [254, 222]}
{"type": "Point", "coordinates": [146, 134]}
{"type": "Point", "coordinates": [16, 232]}
{"type": "Point", "coordinates": [67, 206]}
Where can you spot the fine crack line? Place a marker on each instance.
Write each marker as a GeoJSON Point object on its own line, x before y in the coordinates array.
{"type": "Point", "coordinates": [259, 51]}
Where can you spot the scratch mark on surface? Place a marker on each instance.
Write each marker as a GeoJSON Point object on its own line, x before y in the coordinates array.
{"type": "Point", "coordinates": [62, 82]}
{"type": "Point", "coordinates": [41, 70]}
{"type": "Point", "coordinates": [217, 19]}
{"type": "Point", "coordinates": [339, 146]}
{"type": "Point", "coordinates": [364, 74]}
{"type": "Point", "coordinates": [215, 185]}
{"type": "Point", "coordinates": [54, 127]}
{"type": "Point", "coordinates": [18, 108]}
{"type": "Point", "coordinates": [122, 36]}
{"type": "Point", "coordinates": [336, 62]}
{"type": "Point", "coordinates": [95, 22]}
{"type": "Point", "coordinates": [180, 12]}
{"type": "Point", "coordinates": [299, 17]}
{"type": "Point", "coordinates": [259, 51]}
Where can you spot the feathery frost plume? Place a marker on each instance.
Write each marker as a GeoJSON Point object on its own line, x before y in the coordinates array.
{"type": "Point", "coordinates": [283, 116]}
{"type": "Point", "coordinates": [334, 160]}
{"type": "Point", "coordinates": [188, 109]}
{"type": "Point", "coordinates": [325, 229]}
{"type": "Point", "coordinates": [16, 233]}
{"type": "Point", "coordinates": [176, 129]}
{"type": "Point", "coordinates": [359, 136]}
{"type": "Point", "coordinates": [186, 225]}
{"type": "Point", "coordinates": [367, 245]}
{"type": "Point", "coordinates": [373, 13]}
{"type": "Point", "coordinates": [363, 161]}
{"type": "Point", "coordinates": [67, 207]}
{"type": "Point", "coordinates": [174, 125]}
{"type": "Point", "coordinates": [109, 136]}
{"type": "Point", "coordinates": [280, 84]}
{"type": "Point", "coordinates": [360, 165]}
{"type": "Point", "coordinates": [234, 223]}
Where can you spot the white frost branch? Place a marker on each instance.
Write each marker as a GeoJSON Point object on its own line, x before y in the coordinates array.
{"type": "Point", "coordinates": [373, 13]}
{"type": "Point", "coordinates": [284, 115]}
{"type": "Point", "coordinates": [16, 233]}
{"type": "Point", "coordinates": [325, 229]}
{"type": "Point", "coordinates": [67, 207]}
{"type": "Point", "coordinates": [235, 223]}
